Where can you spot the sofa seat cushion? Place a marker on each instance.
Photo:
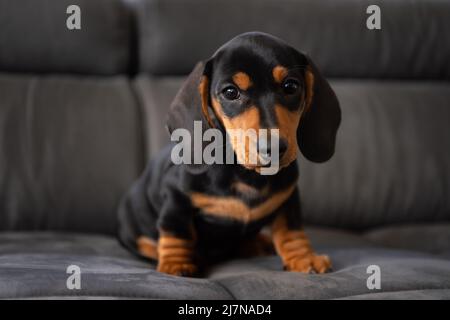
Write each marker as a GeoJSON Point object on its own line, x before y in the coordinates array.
{"type": "Point", "coordinates": [433, 294]}
{"type": "Point", "coordinates": [431, 238]}
{"type": "Point", "coordinates": [33, 265]}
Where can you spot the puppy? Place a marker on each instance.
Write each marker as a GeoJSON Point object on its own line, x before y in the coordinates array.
{"type": "Point", "coordinates": [184, 216]}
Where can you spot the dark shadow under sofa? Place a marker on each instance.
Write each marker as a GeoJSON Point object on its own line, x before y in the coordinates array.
{"type": "Point", "coordinates": [82, 111]}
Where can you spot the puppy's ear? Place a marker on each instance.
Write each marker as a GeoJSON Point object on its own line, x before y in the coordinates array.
{"type": "Point", "coordinates": [192, 103]}
{"type": "Point", "coordinates": [316, 134]}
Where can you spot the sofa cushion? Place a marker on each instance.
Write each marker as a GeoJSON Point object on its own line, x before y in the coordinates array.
{"type": "Point", "coordinates": [430, 294]}
{"type": "Point", "coordinates": [261, 278]}
{"type": "Point", "coordinates": [334, 33]}
{"type": "Point", "coordinates": [154, 96]}
{"type": "Point", "coordinates": [34, 38]}
{"type": "Point", "coordinates": [70, 147]}
{"type": "Point", "coordinates": [33, 265]}
{"type": "Point", "coordinates": [391, 160]}
{"type": "Point", "coordinates": [431, 238]}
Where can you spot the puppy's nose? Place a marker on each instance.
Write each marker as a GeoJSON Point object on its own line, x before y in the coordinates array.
{"type": "Point", "coordinates": [264, 148]}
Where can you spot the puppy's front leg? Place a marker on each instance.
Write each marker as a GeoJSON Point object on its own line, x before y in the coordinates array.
{"type": "Point", "coordinates": [291, 243]}
{"type": "Point", "coordinates": [176, 255]}
{"type": "Point", "coordinates": [176, 243]}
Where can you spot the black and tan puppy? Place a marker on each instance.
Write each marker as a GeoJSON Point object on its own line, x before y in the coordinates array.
{"type": "Point", "coordinates": [184, 215]}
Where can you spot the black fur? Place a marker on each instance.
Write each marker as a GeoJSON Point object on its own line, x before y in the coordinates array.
{"type": "Point", "coordinates": [160, 199]}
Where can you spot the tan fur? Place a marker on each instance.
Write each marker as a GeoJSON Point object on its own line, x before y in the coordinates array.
{"type": "Point", "coordinates": [147, 247]}
{"type": "Point", "coordinates": [175, 255]}
{"type": "Point", "coordinates": [234, 208]}
{"type": "Point", "coordinates": [279, 73]}
{"type": "Point", "coordinates": [288, 122]}
{"type": "Point", "coordinates": [248, 190]}
{"type": "Point", "coordinates": [249, 119]}
{"type": "Point", "coordinates": [242, 80]}
{"type": "Point", "coordinates": [295, 249]}
{"type": "Point", "coordinates": [204, 94]}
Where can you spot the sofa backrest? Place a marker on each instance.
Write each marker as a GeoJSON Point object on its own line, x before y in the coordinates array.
{"type": "Point", "coordinates": [71, 137]}
{"type": "Point", "coordinates": [34, 37]}
{"type": "Point", "coordinates": [412, 43]}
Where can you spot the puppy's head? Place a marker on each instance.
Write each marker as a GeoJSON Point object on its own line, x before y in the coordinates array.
{"type": "Point", "coordinates": [257, 81]}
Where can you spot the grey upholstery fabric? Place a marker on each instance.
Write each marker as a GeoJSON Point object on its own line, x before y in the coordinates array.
{"type": "Point", "coordinates": [261, 278]}
{"type": "Point", "coordinates": [175, 34]}
{"type": "Point", "coordinates": [392, 153]}
{"type": "Point", "coordinates": [434, 239]}
{"type": "Point", "coordinates": [33, 265]}
{"type": "Point", "coordinates": [69, 147]}
{"type": "Point", "coordinates": [432, 294]}
{"type": "Point", "coordinates": [154, 96]}
{"type": "Point", "coordinates": [391, 161]}
{"type": "Point", "coordinates": [34, 37]}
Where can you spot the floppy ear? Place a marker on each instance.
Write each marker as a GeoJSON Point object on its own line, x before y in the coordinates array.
{"type": "Point", "coordinates": [192, 104]}
{"type": "Point", "coordinates": [316, 134]}
{"type": "Point", "coordinates": [192, 100]}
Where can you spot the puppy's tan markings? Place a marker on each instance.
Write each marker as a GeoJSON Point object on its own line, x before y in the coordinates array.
{"type": "Point", "coordinates": [248, 190]}
{"type": "Point", "coordinates": [147, 247]}
{"type": "Point", "coordinates": [242, 80]}
{"type": "Point", "coordinates": [279, 73]}
{"type": "Point", "coordinates": [244, 188]}
{"type": "Point", "coordinates": [203, 89]}
{"type": "Point", "coordinates": [234, 208]}
{"type": "Point", "coordinates": [248, 119]}
{"type": "Point", "coordinates": [295, 250]}
{"type": "Point", "coordinates": [288, 122]}
{"type": "Point", "coordinates": [175, 255]}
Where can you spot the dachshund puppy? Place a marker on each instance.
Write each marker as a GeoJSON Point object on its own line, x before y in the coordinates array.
{"type": "Point", "coordinates": [184, 216]}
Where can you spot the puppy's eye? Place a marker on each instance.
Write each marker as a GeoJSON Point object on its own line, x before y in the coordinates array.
{"type": "Point", "coordinates": [290, 86]}
{"type": "Point", "coordinates": [231, 93]}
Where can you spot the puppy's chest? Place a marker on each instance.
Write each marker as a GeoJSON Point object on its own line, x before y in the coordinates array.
{"type": "Point", "coordinates": [241, 202]}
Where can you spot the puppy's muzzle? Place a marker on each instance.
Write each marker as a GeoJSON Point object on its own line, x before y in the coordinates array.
{"type": "Point", "coordinates": [266, 153]}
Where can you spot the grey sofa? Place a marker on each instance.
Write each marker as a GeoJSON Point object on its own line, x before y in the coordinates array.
{"type": "Point", "coordinates": [82, 111]}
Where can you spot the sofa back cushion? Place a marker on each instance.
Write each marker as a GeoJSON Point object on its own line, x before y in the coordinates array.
{"type": "Point", "coordinates": [175, 34]}
{"type": "Point", "coordinates": [392, 158]}
{"type": "Point", "coordinates": [34, 37]}
{"type": "Point", "coordinates": [70, 147]}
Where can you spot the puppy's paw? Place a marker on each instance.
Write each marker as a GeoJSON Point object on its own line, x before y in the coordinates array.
{"type": "Point", "coordinates": [183, 269]}
{"type": "Point", "coordinates": [309, 264]}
